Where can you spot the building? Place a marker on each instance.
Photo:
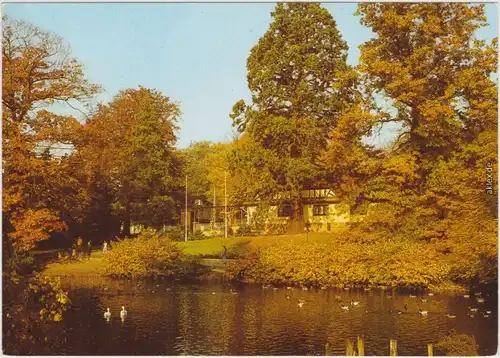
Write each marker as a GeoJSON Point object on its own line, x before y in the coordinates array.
{"type": "Point", "coordinates": [322, 211]}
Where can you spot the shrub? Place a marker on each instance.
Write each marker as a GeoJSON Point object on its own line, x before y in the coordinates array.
{"type": "Point", "coordinates": [175, 233]}
{"type": "Point", "coordinates": [21, 262]}
{"type": "Point", "coordinates": [29, 303]}
{"type": "Point", "coordinates": [459, 345]}
{"type": "Point", "coordinates": [244, 230]}
{"type": "Point", "coordinates": [146, 255]}
{"type": "Point", "coordinates": [197, 235]}
{"type": "Point", "coordinates": [340, 262]}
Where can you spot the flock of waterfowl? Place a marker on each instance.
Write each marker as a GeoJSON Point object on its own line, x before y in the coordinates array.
{"type": "Point", "coordinates": [352, 304]}
{"type": "Point", "coordinates": [123, 314]}
{"type": "Point", "coordinates": [346, 306]}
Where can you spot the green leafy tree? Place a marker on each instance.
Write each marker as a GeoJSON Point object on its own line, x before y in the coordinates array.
{"type": "Point", "coordinates": [197, 168]}
{"type": "Point", "coordinates": [300, 84]}
{"type": "Point", "coordinates": [129, 145]}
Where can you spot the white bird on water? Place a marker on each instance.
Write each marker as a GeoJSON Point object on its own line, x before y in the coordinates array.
{"type": "Point", "coordinates": [123, 313]}
{"type": "Point", "coordinates": [107, 314]}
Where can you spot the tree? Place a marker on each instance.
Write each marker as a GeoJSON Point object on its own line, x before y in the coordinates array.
{"type": "Point", "coordinates": [197, 169]}
{"type": "Point", "coordinates": [300, 84]}
{"type": "Point", "coordinates": [129, 145]}
{"type": "Point", "coordinates": [429, 186]}
{"type": "Point", "coordinates": [426, 62]}
{"type": "Point", "coordinates": [38, 70]}
{"type": "Point", "coordinates": [210, 175]}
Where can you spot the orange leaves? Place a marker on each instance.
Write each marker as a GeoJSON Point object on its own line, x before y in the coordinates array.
{"type": "Point", "coordinates": [37, 71]}
{"type": "Point", "coordinates": [51, 128]}
{"type": "Point", "coordinates": [37, 67]}
{"type": "Point", "coordinates": [32, 226]}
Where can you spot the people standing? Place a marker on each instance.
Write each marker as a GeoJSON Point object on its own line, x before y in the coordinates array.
{"type": "Point", "coordinates": [224, 255]}
{"type": "Point", "coordinates": [89, 249]}
{"type": "Point", "coordinates": [105, 247]}
{"type": "Point", "coordinates": [79, 246]}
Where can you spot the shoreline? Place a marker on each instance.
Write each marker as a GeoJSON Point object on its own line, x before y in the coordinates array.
{"type": "Point", "coordinates": [217, 269]}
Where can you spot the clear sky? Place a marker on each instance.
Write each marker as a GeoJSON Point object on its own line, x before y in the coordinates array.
{"type": "Point", "coordinates": [194, 53]}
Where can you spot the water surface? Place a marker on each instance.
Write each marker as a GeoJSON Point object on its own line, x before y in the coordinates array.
{"type": "Point", "coordinates": [208, 319]}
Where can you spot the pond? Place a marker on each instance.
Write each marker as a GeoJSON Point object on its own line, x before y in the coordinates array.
{"type": "Point", "coordinates": [214, 318]}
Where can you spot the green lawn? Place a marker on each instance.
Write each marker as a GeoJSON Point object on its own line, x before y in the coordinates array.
{"type": "Point", "coordinates": [92, 266]}
{"type": "Point", "coordinates": [213, 247]}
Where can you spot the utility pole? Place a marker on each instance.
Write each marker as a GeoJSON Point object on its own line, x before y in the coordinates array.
{"type": "Point", "coordinates": [214, 217]}
{"type": "Point", "coordinates": [225, 204]}
{"type": "Point", "coordinates": [186, 214]}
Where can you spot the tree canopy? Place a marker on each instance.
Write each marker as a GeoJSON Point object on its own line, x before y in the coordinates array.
{"type": "Point", "coordinates": [38, 70]}
{"type": "Point", "coordinates": [130, 146]}
{"type": "Point", "coordinates": [300, 84]}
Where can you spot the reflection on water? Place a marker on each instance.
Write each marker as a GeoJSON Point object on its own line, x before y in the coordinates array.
{"type": "Point", "coordinates": [208, 319]}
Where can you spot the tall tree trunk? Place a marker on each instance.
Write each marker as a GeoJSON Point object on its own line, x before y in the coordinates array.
{"type": "Point", "coordinates": [297, 219]}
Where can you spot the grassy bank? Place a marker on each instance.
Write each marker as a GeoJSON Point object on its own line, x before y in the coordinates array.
{"type": "Point", "coordinates": [208, 248]}
{"type": "Point", "coordinates": [237, 246]}
{"type": "Point", "coordinates": [93, 266]}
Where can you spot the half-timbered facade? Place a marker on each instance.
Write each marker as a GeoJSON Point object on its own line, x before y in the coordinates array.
{"type": "Point", "coordinates": [321, 212]}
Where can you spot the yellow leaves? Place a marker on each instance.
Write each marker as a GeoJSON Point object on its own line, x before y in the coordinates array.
{"type": "Point", "coordinates": [43, 312]}
{"type": "Point", "coordinates": [439, 109]}
{"type": "Point", "coordinates": [62, 298]}
{"type": "Point", "coordinates": [337, 261]}
{"type": "Point", "coordinates": [402, 168]}
{"type": "Point", "coordinates": [57, 317]}
{"type": "Point", "coordinates": [146, 255]}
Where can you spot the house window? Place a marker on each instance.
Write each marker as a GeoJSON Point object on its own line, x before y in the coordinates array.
{"type": "Point", "coordinates": [284, 211]}
{"type": "Point", "coordinates": [320, 210]}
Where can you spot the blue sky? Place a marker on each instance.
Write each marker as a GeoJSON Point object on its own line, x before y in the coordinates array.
{"type": "Point", "coordinates": [194, 53]}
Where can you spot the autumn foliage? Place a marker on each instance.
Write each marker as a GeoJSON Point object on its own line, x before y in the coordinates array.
{"type": "Point", "coordinates": [309, 123]}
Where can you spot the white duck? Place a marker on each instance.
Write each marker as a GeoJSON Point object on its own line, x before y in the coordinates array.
{"type": "Point", "coordinates": [123, 313]}
{"type": "Point", "coordinates": [423, 313]}
{"type": "Point", "coordinates": [107, 314]}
